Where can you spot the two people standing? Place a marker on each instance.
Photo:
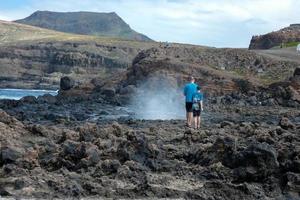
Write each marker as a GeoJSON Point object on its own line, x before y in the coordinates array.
{"type": "Point", "coordinates": [193, 103]}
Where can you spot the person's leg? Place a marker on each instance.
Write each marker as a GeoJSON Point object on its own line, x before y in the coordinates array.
{"type": "Point", "coordinates": [190, 118]}
{"type": "Point", "coordinates": [199, 122]}
{"type": "Point", "coordinates": [196, 121]}
{"type": "Point", "coordinates": [187, 118]}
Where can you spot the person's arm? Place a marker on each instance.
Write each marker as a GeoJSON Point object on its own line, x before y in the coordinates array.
{"type": "Point", "coordinates": [184, 91]}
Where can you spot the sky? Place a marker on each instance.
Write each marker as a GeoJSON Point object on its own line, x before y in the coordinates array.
{"type": "Point", "coordinates": [219, 23]}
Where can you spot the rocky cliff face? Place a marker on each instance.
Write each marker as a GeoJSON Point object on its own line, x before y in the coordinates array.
{"type": "Point", "coordinates": [41, 65]}
{"type": "Point", "coordinates": [284, 36]}
{"type": "Point", "coordinates": [32, 57]}
{"type": "Point", "coordinates": [86, 23]}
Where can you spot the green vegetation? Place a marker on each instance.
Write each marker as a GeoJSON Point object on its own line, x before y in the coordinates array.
{"type": "Point", "coordinates": [290, 44]}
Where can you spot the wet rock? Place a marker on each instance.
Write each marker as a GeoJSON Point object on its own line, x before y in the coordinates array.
{"type": "Point", "coordinates": [29, 100]}
{"type": "Point", "coordinates": [47, 98]}
{"type": "Point", "coordinates": [66, 83]}
{"type": "Point", "coordinates": [109, 93]}
{"type": "Point", "coordinates": [130, 89]}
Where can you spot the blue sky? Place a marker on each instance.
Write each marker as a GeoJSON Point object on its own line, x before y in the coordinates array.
{"type": "Point", "coordinates": [220, 23]}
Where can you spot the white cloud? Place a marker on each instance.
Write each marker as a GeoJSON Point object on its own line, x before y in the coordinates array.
{"type": "Point", "coordinates": [208, 22]}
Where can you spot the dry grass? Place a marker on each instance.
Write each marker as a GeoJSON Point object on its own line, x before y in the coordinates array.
{"type": "Point", "coordinates": [14, 33]}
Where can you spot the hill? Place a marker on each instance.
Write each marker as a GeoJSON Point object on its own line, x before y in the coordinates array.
{"type": "Point", "coordinates": [286, 37]}
{"type": "Point", "coordinates": [32, 57]}
{"type": "Point", "coordinates": [85, 23]}
{"type": "Point", "coordinates": [14, 32]}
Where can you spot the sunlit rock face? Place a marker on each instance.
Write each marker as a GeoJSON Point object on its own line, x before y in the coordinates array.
{"type": "Point", "coordinates": [285, 36]}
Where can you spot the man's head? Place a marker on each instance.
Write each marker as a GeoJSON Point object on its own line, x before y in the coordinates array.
{"type": "Point", "coordinates": [192, 79]}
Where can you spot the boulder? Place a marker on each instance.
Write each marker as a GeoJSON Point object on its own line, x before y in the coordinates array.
{"type": "Point", "coordinates": [9, 155]}
{"type": "Point", "coordinates": [297, 71]}
{"type": "Point", "coordinates": [66, 83]}
{"type": "Point", "coordinates": [29, 100]}
{"type": "Point", "coordinates": [286, 124]}
{"type": "Point", "coordinates": [109, 92]}
{"type": "Point", "coordinates": [92, 154]}
{"type": "Point", "coordinates": [255, 163]}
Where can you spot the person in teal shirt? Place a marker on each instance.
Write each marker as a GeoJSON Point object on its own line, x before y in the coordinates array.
{"type": "Point", "coordinates": [197, 107]}
{"type": "Point", "coordinates": [189, 90]}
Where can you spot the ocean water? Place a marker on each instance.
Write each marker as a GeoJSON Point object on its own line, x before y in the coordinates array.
{"type": "Point", "coordinates": [19, 93]}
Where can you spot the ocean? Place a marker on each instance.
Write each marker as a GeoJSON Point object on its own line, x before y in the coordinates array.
{"type": "Point", "coordinates": [19, 93]}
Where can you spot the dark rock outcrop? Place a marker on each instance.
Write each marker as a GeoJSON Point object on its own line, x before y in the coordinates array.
{"type": "Point", "coordinates": [66, 83]}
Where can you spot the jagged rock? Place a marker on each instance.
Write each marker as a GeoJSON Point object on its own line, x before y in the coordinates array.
{"type": "Point", "coordinates": [66, 83]}
{"type": "Point", "coordinates": [269, 102]}
{"type": "Point", "coordinates": [221, 151]}
{"type": "Point", "coordinates": [7, 119]}
{"type": "Point", "coordinates": [109, 92]}
{"type": "Point", "coordinates": [109, 166]}
{"type": "Point", "coordinates": [293, 182]}
{"type": "Point", "coordinates": [9, 155]}
{"type": "Point", "coordinates": [255, 163]}
{"type": "Point", "coordinates": [92, 155]}
{"type": "Point", "coordinates": [285, 123]}
{"type": "Point", "coordinates": [226, 123]}
{"type": "Point", "coordinates": [47, 98]}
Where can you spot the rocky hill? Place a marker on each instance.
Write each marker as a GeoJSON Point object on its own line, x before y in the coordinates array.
{"type": "Point", "coordinates": [167, 67]}
{"type": "Point", "coordinates": [289, 36]}
{"type": "Point", "coordinates": [85, 23]}
{"type": "Point", "coordinates": [32, 57]}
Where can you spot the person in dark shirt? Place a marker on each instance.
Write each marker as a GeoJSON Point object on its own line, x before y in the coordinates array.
{"type": "Point", "coordinates": [197, 107]}
{"type": "Point", "coordinates": [189, 90]}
